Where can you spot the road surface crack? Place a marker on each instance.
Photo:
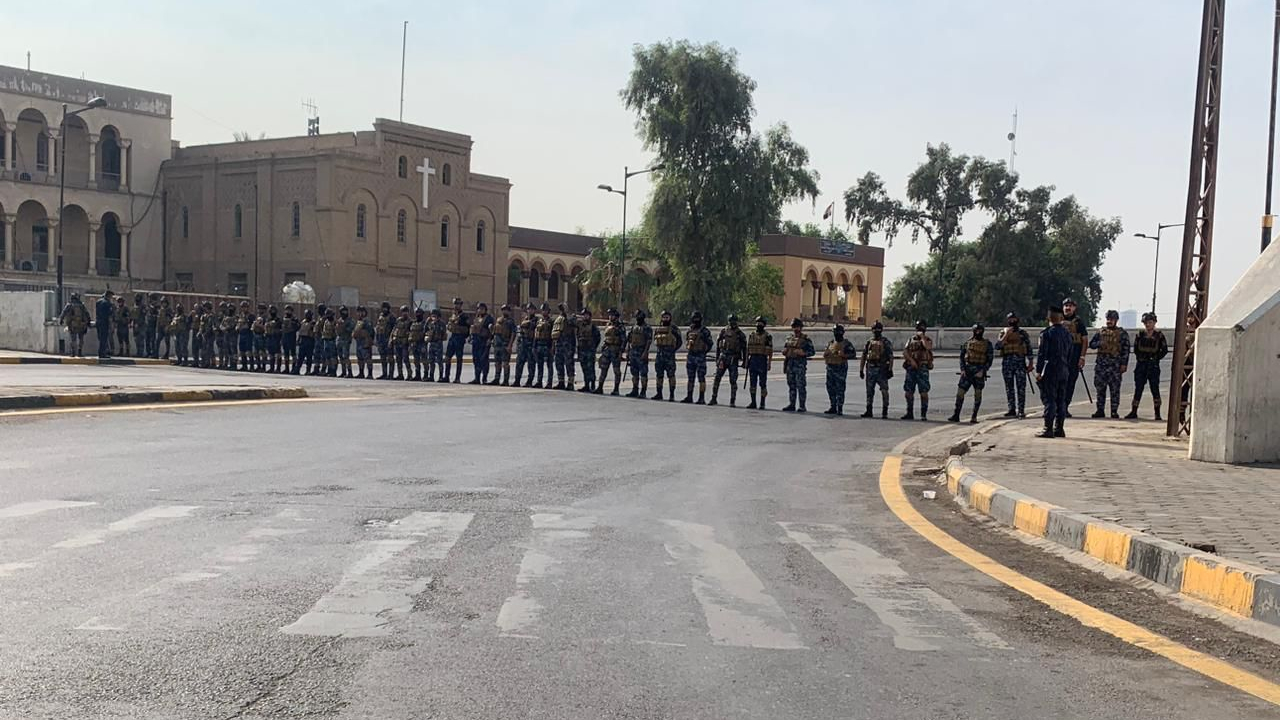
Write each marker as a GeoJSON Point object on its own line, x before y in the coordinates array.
{"type": "Point", "coordinates": [280, 679]}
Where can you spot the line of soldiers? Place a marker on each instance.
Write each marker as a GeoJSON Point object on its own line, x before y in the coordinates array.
{"type": "Point", "coordinates": [147, 321]}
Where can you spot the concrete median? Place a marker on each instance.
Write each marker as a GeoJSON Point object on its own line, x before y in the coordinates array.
{"type": "Point", "coordinates": [40, 400]}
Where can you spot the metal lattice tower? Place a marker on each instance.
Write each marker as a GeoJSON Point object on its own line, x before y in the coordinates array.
{"type": "Point", "coordinates": [1197, 238]}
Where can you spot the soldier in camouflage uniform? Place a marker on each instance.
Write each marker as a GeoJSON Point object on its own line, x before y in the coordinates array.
{"type": "Point", "coordinates": [164, 316]}
{"type": "Point", "coordinates": [260, 339]}
{"type": "Point", "coordinates": [459, 329]}
{"type": "Point", "coordinates": [639, 339]}
{"type": "Point", "coordinates": [613, 342]}
{"type": "Point", "coordinates": [795, 363]}
{"type": "Point", "coordinates": [1112, 344]}
{"type": "Point", "coordinates": [120, 319]}
{"type": "Point", "coordinates": [759, 354]}
{"type": "Point", "coordinates": [362, 336]}
{"type": "Point", "coordinates": [152, 329]}
{"type": "Point", "coordinates": [180, 331]}
{"type": "Point", "coordinates": [229, 336]}
{"type": "Point", "coordinates": [481, 338]}
{"type": "Point", "coordinates": [138, 322]}
{"type": "Point", "coordinates": [1079, 332]}
{"type": "Point", "coordinates": [306, 342]}
{"type": "Point", "coordinates": [436, 331]}
{"type": "Point", "coordinates": [344, 327]}
{"type": "Point", "coordinates": [418, 343]}
{"type": "Point", "coordinates": [196, 322]}
{"type": "Point", "coordinates": [542, 348]}
{"type": "Point", "coordinates": [209, 331]}
{"type": "Point", "coordinates": [400, 344]}
{"type": "Point", "coordinates": [876, 368]}
{"type": "Point", "coordinates": [976, 356]}
{"type": "Point", "coordinates": [837, 356]}
{"type": "Point", "coordinates": [588, 339]}
{"type": "Point", "coordinates": [289, 327]}
{"type": "Point", "coordinates": [697, 342]}
{"type": "Point", "coordinates": [666, 337]}
{"type": "Point", "coordinates": [244, 334]}
{"type": "Point", "coordinates": [525, 343]}
{"type": "Point", "coordinates": [917, 361]}
{"type": "Point", "coordinates": [275, 330]}
{"type": "Point", "coordinates": [75, 316]}
{"type": "Point", "coordinates": [731, 353]}
{"type": "Point", "coordinates": [382, 327]}
{"type": "Point", "coordinates": [328, 335]}
{"type": "Point", "coordinates": [1149, 348]}
{"type": "Point", "coordinates": [1017, 359]}
{"type": "Point", "coordinates": [562, 342]}
{"type": "Point", "coordinates": [504, 335]}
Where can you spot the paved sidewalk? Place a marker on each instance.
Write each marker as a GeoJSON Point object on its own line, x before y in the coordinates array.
{"type": "Point", "coordinates": [1129, 473]}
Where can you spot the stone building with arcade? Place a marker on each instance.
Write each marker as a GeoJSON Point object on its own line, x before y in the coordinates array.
{"type": "Point", "coordinates": [111, 220]}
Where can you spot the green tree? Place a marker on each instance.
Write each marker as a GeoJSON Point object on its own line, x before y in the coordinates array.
{"type": "Point", "coordinates": [809, 229]}
{"type": "Point", "coordinates": [721, 184]}
{"type": "Point", "coordinates": [600, 283]}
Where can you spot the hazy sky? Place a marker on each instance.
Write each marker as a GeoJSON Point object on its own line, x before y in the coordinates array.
{"type": "Point", "coordinates": [1104, 91]}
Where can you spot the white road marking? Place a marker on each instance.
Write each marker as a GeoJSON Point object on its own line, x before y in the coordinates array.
{"type": "Point", "coordinates": [521, 611]}
{"type": "Point", "coordinates": [10, 568]}
{"type": "Point", "coordinates": [127, 525]}
{"type": "Point", "coordinates": [738, 610]}
{"type": "Point", "coordinates": [36, 507]}
{"type": "Point", "coordinates": [371, 593]}
{"type": "Point", "coordinates": [907, 607]}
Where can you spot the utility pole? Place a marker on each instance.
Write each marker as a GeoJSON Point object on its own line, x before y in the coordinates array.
{"type": "Point", "coordinates": [1013, 136]}
{"type": "Point", "coordinates": [404, 46]}
{"type": "Point", "coordinates": [1267, 219]}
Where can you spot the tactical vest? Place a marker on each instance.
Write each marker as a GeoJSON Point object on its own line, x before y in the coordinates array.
{"type": "Point", "coordinates": [729, 340]}
{"type": "Point", "coordinates": [274, 326]}
{"type": "Point", "coordinates": [416, 331]}
{"type": "Point", "coordinates": [383, 325]}
{"type": "Point", "coordinates": [836, 353]}
{"type": "Point", "coordinates": [151, 316]}
{"type": "Point", "coordinates": [1012, 344]}
{"type": "Point", "coordinates": [305, 328]}
{"type": "Point", "coordinates": [1110, 344]}
{"type": "Point", "coordinates": [543, 329]}
{"type": "Point", "coordinates": [289, 325]}
{"type": "Point", "coordinates": [794, 347]}
{"type": "Point", "coordinates": [918, 353]}
{"type": "Point", "coordinates": [613, 335]}
{"type": "Point", "coordinates": [344, 326]}
{"type": "Point", "coordinates": [164, 318]}
{"type": "Point", "coordinates": [178, 324]}
{"type": "Point", "coordinates": [664, 337]}
{"type": "Point", "coordinates": [361, 330]}
{"type": "Point", "coordinates": [328, 329]}
{"type": "Point", "coordinates": [636, 337]}
{"type": "Point", "coordinates": [242, 323]}
{"type": "Point", "coordinates": [228, 323]}
{"type": "Point", "coordinates": [975, 352]}
{"type": "Point", "coordinates": [586, 338]}
{"type": "Point", "coordinates": [695, 341]}
{"type": "Point", "coordinates": [758, 343]}
{"type": "Point", "coordinates": [1074, 326]}
{"type": "Point", "coordinates": [259, 326]}
{"type": "Point", "coordinates": [502, 329]}
{"type": "Point", "coordinates": [557, 327]}
{"type": "Point", "coordinates": [401, 331]}
{"type": "Point", "coordinates": [527, 327]}
{"type": "Point", "coordinates": [436, 330]}
{"type": "Point", "coordinates": [875, 352]}
{"type": "Point", "coordinates": [1147, 348]}
{"type": "Point", "coordinates": [480, 328]}
{"type": "Point", "coordinates": [456, 326]}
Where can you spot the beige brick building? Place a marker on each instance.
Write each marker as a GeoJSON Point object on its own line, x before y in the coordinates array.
{"type": "Point", "coordinates": [826, 281]}
{"type": "Point", "coordinates": [111, 228]}
{"type": "Point", "coordinates": [384, 214]}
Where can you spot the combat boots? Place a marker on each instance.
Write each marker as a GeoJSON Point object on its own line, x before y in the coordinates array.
{"type": "Point", "coordinates": [830, 411]}
{"type": "Point", "coordinates": [1046, 433]}
{"type": "Point", "coordinates": [1011, 413]}
{"type": "Point", "coordinates": [924, 411]}
{"type": "Point", "coordinates": [1133, 413]}
{"type": "Point", "coordinates": [1158, 411]}
{"type": "Point", "coordinates": [911, 410]}
{"type": "Point", "coordinates": [868, 413]}
{"type": "Point", "coordinates": [658, 395]}
{"type": "Point", "coordinates": [702, 394]}
{"type": "Point", "coordinates": [671, 392]}
{"type": "Point", "coordinates": [688, 397]}
{"type": "Point", "coordinates": [1098, 413]}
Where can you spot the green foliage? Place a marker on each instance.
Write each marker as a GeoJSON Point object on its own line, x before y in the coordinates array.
{"type": "Point", "coordinates": [815, 230]}
{"type": "Point", "coordinates": [721, 185]}
{"type": "Point", "coordinates": [600, 283]}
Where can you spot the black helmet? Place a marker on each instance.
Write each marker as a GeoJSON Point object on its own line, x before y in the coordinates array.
{"type": "Point", "coordinates": [404, 308]}
{"type": "Point", "coordinates": [838, 330]}
{"type": "Point", "coordinates": [698, 316]}
{"type": "Point", "coordinates": [877, 325]}
{"type": "Point", "coordinates": [386, 305]}
{"type": "Point", "coordinates": [1011, 316]}
{"type": "Point", "coordinates": [665, 313]}
{"type": "Point", "coordinates": [612, 312]}
{"type": "Point", "coordinates": [545, 307]}
{"type": "Point", "coordinates": [344, 310]}
{"type": "Point", "coordinates": [419, 312]}
{"type": "Point", "coordinates": [922, 325]}
{"type": "Point", "coordinates": [585, 311]}
{"type": "Point", "coordinates": [1148, 316]}
{"type": "Point", "coordinates": [530, 306]}
{"type": "Point", "coordinates": [797, 322]}
{"type": "Point", "coordinates": [457, 301]}
{"type": "Point", "coordinates": [760, 319]}
{"type": "Point", "coordinates": [733, 318]}
{"type": "Point", "coordinates": [308, 314]}
{"type": "Point", "coordinates": [1113, 315]}
{"type": "Point", "coordinates": [640, 315]}
{"type": "Point", "coordinates": [481, 306]}
{"type": "Point", "coordinates": [561, 307]}
{"type": "Point", "coordinates": [435, 312]}
{"type": "Point", "coordinates": [1068, 301]}
{"type": "Point", "coordinates": [505, 307]}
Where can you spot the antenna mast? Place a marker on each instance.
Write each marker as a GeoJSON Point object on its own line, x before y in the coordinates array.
{"type": "Point", "coordinates": [404, 45]}
{"type": "Point", "coordinates": [1013, 140]}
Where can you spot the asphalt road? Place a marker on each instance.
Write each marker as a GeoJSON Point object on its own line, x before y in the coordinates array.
{"type": "Point", "coordinates": [478, 553]}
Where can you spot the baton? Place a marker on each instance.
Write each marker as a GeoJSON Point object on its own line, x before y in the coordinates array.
{"type": "Point", "coordinates": [1086, 386]}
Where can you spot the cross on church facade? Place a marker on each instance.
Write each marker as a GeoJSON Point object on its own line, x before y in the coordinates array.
{"type": "Point", "coordinates": [426, 170]}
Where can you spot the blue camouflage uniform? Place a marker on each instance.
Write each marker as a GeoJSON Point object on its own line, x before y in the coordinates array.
{"type": "Point", "coordinates": [1148, 351]}
{"type": "Point", "coordinates": [877, 369]}
{"type": "Point", "coordinates": [837, 356]}
{"type": "Point", "coordinates": [639, 339]}
{"type": "Point", "coordinates": [613, 340]}
{"type": "Point", "coordinates": [917, 361]}
{"type": "Point", "coordinates": [1014, 346]}
{"type": "Point", "coordinates": [759, 351]}
{"type": "Point", "coordinates": [459, 330]}
{"type": "Point", "coordinates": [524, 346]}
{"type": "Point", "coordinates": [481, 337]}
{"type": "Point", "coordinates": [731, 353]}
{"type": "Point", "coordinates": [1079, 333]}
{"type": "Point", "coordinates": [436, 331]}
{"type": "Point", "coordinates": [1112, 360]}
{"type": "Point", "coordinates": [697, 341]}
{"type": "Point", "coordinates": [667, 339]}
{"type": "Point", "coordinates": [1053, 366]}
{"type": "Point", "coordinates": [586, 342]}
{"type": "Point", "coordinates": [382, 328]}
{"type": "Point", "coordinates": [542, 351]}
{"type": "Point", "coordinates": [563, 328]}
{"type": "Point", "coordinates": [795, 363]}
{"type": "Point", "coordinates": [976, 357]}
{"type": "Point", "coordinates": [504, 331]}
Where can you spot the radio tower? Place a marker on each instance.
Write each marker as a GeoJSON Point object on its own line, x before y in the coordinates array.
{"type": "Point", "coordinates": [1013, 140]}
{"type": "Point", "coordinates": [313, 116]}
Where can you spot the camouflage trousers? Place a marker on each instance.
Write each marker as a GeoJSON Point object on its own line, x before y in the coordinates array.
{"type": "Point", "coordinates": [435, 359]}
{"type": "Point", "coordinates": [877, 376]}
{"type": "Point", "coordinates": [480, 358]}
{"type": "Point", "coordinates": [664, 366]}
{"type": "Point", "coordinates": [542, 360]}
{"type": "Point", "coordinates": [1106, 382]}
{"type": "Point", "coordinates": [587, 361]}
{"type": "Point", "coordinates": [1146, 372]}
{"type": "Point", "coordinates": [524, 356]}
{"type": "Point", "coordinates": [1014, 370]}
{"type": "Point", "coordinates": [796, 371]}
{"type": "Point", "coordinates": [502, 360]}
{"type": "Point", "coordinates": [695, 370]}
{"type": "Point", "coordinates": [837, 378]}
{"type": "Point", "coordinates": [610, 357]}
{"type": "Point", "coordinates": [639, 364]}
{"type": "Point", "coordinates": [564, 361]}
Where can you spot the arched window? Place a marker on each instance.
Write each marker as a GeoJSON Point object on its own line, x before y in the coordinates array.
{"type": "Point", "coordinates": [446, 175]}
{"type": "Point", "coordinates": [402, 222]}
{"type": "Point", "coordinates": [360, 222]}
{"type": "Point", "coordinates": [480, 236]}
{"type": "Point", "coordinates": [444, 231]}
{"type": "Point", "coordinates": [402, 167]}
{"type": "Point", "coordinates": [186, 223]}
{"type": "Point", "coordinates": [295, 227]}
{"type": "Point", "coordinates": [237, 223]}
{"type": "Point", "coordinates": [553, 286]}
{"type": "Point", "coordinates": [535, 279]}
{"type": "Point", "coordinates": [42, 152]}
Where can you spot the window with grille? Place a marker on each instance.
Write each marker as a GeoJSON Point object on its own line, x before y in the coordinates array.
{"type": "Point", "coordinates": [444, 231]}
{"type": "Point", "coordinates": [480, 236]}
{"type": "Point", "coordinates": [295, 226]}
{"type": "Point", "coordinates": [360, 222]}
{"type": "Point", "coordinates": [402, 223]}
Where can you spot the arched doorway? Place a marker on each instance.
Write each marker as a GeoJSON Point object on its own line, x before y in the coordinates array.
{"type": "Point", "coordinates": [75, 241]}
{"type": "Point", "coordinates": [31, 244]}
{"type": "Point", "coordinates": [110, 246]}
{"type": "Point", "coordinates": [110, 159]}
{"type": "Point", "coordinates": [535, 282]}
{"type": "Point", "coordinates": [575, 288]}
{"type": "Point", "coordinates": [515, 281]}
{"type": "Point", "coordinates": [34, 152]}
{"type": "Point", "coordinates": [75, 138]}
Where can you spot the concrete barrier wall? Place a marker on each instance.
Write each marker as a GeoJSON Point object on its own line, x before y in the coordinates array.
{"type": "Point", "coordinates": [25, 319]}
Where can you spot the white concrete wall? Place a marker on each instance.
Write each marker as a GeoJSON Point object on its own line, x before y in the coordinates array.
{"type": "Point", "coordinates": [1235, 412]}
{"type": "Point", "coordinates": [23, 319]}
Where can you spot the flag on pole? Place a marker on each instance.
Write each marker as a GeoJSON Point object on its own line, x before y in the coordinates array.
{"type": "Point", "coordinates": [831, 210]}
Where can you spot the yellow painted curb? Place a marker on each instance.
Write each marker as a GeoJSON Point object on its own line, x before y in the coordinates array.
{"type": "Point", "coordinates": [79, 399]}
{"type": "Point", "coordinates": [1032, 517]}
{"type": "Point", "coordinates": [186, 395]}
{"type": "Point", "coordinates": [1108, 543]}
{"type": "Point", "coordinates": [1220, 584]}
{"type": "Point", "coordinates": [980, 495]}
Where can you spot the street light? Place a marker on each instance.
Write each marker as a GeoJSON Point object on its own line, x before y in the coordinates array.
{"type": "Point", "coordinates": [627, 174]}
{"type": "Point", "coordinates": [1156, 271]}
{"type": "Point", "coordinates": [95, 102]}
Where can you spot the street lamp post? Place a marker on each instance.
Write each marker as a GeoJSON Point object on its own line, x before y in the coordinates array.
{"type": "Point", "coordinates": [627, 174]}
{"type": "Point", "coordinates": [95, 102]}
{"type": "Point", "coordinates": [1156, 272]}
